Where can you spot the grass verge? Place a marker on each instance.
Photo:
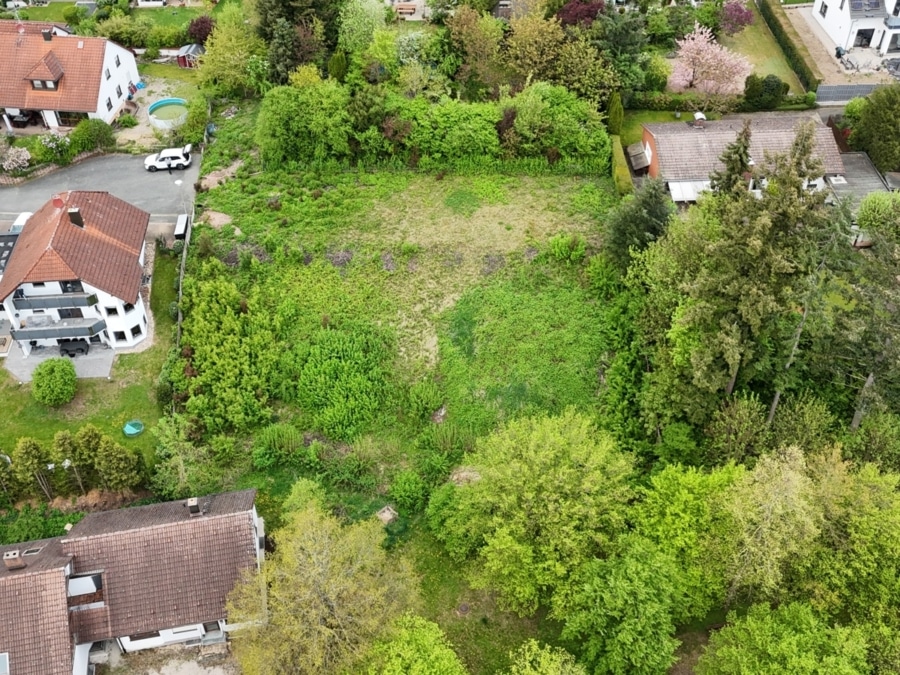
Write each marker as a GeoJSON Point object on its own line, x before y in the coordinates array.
{"type": "Point", "coordinates": [631, 127]}
{"type": "Point", "coordinates": [50, 12]}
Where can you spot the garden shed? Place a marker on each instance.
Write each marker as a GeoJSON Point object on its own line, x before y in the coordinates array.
{"type": "Point", "coordinates": [188, 55]}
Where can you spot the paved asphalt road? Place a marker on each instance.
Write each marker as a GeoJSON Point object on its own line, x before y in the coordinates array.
{"type": "Point", "coordinates": [122, 175]}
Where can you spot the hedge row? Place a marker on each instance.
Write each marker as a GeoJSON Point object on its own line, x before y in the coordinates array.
{"type": "Point", "coordinates": [684, 102]}
{"type": "Point", "coordinates": [621, 174]}
{"type": "Point", "coordinates": [796, 53]}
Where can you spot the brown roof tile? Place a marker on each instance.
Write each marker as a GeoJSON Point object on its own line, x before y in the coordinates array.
{"type": "Point", "coordinates": [162, 568]}
{"type": "Point", "coordinates": [48, 68]}
{"type": "Point", "coordinates": [34, 628]}
{"type": "Point", "coordinates": [30, 27]}
{"type": "Point", "coordinates": [105, 253]}
{"type": "Point", "coordinates": [687, 153]}
{"type": "Point", "coordinates": [80, 58]}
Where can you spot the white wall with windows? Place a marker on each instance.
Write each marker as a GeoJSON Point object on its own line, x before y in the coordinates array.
{"type": "Point", "coordinates": [849, 31]}
{"type": "Point", "coordinates": [119, 70]}
{"type": "Point", "coordinates": [126, 323]}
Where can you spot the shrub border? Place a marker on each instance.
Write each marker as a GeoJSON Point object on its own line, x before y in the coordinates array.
{"type": "Point", "coordinates": [621, 172]}
{"type": "Point", "coordinates": [795, 51]}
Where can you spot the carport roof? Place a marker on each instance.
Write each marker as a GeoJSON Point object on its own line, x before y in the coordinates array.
{"type": "Point", "coordinates": [104, 253]}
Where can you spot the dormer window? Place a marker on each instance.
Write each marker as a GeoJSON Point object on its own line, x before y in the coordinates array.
{"type": "Point", "coordinates": [37, 84]}
{"type": "Point", "coordinates": [50, 84]}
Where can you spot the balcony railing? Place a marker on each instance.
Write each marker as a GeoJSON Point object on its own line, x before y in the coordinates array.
{"type": "Point", "coordinates": [43, 327]}
{"type": "Point", "coordinates": [55, 301]}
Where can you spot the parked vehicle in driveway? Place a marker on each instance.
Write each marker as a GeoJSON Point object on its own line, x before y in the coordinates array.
{"type": "Point", "coordinates": [170, 158]}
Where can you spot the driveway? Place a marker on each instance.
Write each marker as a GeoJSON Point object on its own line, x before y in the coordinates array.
{"type": "Point", "coordinates": [124, 176]}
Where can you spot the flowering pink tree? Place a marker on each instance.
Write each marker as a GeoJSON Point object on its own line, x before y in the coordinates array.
{"type": "Point", "coordinates": [735, 16]}
{"type": "Point", "coordinates": [706, 66]}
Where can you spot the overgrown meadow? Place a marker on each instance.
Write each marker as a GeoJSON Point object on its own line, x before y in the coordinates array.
{"type": "Point", "coordinates": [365, 328]}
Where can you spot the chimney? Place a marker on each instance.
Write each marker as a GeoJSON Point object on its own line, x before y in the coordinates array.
{"type": "Point", "coordinates": [58, 202]}
{"type": "Point", "coordinates": [48, 34]}
{"type": "Point", "coordinates": [75, 218]}
{"type": "Point", "coordinates": [12, 561]}
{"type": "Point", "coordinates": [193, 505]}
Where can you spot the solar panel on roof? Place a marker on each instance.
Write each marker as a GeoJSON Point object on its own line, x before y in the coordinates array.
{"type": "Point", "coordinates": [834, 93]}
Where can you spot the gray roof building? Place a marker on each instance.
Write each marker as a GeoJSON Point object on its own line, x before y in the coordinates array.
{"type": "Point", "coordinates": [134, 575]}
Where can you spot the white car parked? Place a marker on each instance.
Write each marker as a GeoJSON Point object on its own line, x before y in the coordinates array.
{"type": "Point", "coordinates": [171, 158]}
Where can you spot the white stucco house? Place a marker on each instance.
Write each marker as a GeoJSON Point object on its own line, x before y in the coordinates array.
{"type": "Point", "coordinates": [57, 80]}
{"type": "Point", "coordinates": [75, 272]}
{"type": "Point", "coordinates": [141, 577]}
{"type": "Point", "coordinates": [861, 23]}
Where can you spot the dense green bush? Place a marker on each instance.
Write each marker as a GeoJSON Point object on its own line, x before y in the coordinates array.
{"type": "Point", "coordinates": [194, 128]}
{"type": "Point", "coordinates": [54, 382]}
{"type": "Point", "coordinates": [409, 491]}
{"type": "Point", "coordinates": [341, 379]}
{"type": "Point", "coordinates": [126, 30]}
{"type": "Point", "coordinates": [283, 445]}
{"type": "Point", "coordinates": [796, 53]}
{"type": "Point", "coordinates": [568, 249]}
{"type": "Point", "coordinates": [91, 135]}
{"type": "Point", "coordinates": [320, 123]}
{"type": "Point", "coordinates": [306, 124]}
{"type": "Point", "coordinates": [621, 173]}
{"type": "Point", "coordinates": [764, 93]}
{"type": "Point", "coordinates": [31, 524]}
{"type": "Point", "coordinates": [163, 37]}
{"type": "Point", "coordinates": [449, 130]}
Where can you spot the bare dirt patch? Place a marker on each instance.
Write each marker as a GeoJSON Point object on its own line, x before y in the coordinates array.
{"type": "Point", "coordinates": [216, 219]}
{"type": "Point", "coordinates": [692, 645]}
{"type": "Point", "coordinates": [216, 178]}
{"type": "Point", "coordinates": [144, 135]}
{"type": "Point", "coordinates": [175, 660]}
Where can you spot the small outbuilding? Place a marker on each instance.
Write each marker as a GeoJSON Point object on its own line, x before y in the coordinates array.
{"type": "Point", "coordinates": [189, 55]}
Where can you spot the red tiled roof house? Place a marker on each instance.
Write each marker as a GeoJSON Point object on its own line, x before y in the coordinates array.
{"type": "Point", "coordinates": [145, 577]}
{"type": "Point", "coordinates": [76, 273]}
{"type": "Point", "coordinates": [63, 78]}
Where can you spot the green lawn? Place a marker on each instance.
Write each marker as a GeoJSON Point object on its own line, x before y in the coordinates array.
{"type": "Point", "coordinates": [757, 43]}
{"type": "Point", "coordinates": [52, 12]}
{"type": "Point", "coordinates": [631, 128]}
{"type": "Point", "coordinates": [128, 395]}
{"type": "Point", "coordinates": [169, 16]}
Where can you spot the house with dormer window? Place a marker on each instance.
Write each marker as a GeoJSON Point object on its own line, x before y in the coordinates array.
{"type": "Point", "coordinates": [861, 23]}
{"type": "Point", "coordinates": [138, 578]}
{"type": "Point", "coordinates": [58, 80]}
{"type": "Point", "coordinates": [76, 272]}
